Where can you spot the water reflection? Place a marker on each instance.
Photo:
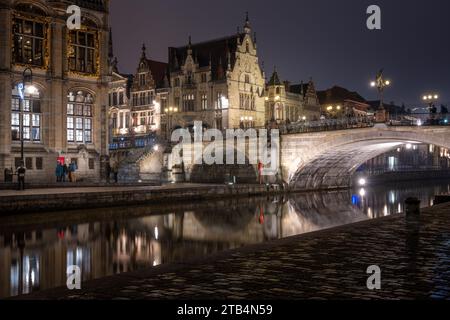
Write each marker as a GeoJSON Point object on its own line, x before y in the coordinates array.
{"type": "Point", "coordinates": [113, 241]}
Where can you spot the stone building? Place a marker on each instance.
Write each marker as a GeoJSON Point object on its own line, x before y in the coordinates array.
{"type": "Point", "coordinates": [291, 103]}
{"type": "Point", "coordinates": [136, 102]}
{"type": "Point", "coordinates": [61, 111]}
{"type": "Point", "coordinates": [218, 82]}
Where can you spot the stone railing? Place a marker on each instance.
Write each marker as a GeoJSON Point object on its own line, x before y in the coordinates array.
{"type": "Point", "coordinates": [326, 125]}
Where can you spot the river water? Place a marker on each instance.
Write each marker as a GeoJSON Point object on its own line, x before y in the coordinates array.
{"type": "Point", "coordinates": [35, 250]}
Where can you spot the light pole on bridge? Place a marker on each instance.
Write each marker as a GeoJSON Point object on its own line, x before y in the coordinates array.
{"type": "Point", "coordinates": [381, 83]}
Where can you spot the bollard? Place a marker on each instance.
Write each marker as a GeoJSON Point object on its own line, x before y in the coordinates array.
{"type": "Point", "coordinates": [412, 207]}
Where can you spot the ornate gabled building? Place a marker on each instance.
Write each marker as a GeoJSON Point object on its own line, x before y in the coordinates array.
{"type": "Point", "coordinates": [291, 103]}
{"type": "Point", "coordinates": [53, 87]}
{"type": "Point", "coordinates": [218, 82]}
{"type": "Point", "coordinates": [137, 116]}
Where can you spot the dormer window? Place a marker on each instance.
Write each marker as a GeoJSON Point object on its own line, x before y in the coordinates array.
{"type": "Point", "coordinates": [247, 47]}
{"type": "Point", "coordinates": [204, 78]}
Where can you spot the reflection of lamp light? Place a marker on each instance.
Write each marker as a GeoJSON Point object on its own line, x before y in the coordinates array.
{"type": "Point", "coordinates": [362, 192]}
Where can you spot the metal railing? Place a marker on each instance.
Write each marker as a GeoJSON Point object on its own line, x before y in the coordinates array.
{"type": "Point", "coordinates": [420, 119]}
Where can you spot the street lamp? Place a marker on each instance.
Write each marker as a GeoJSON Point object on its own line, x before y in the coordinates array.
{"type": "Point", "coordinates": [380, 83]}
{"type": "Point", "coordinates": [430, 99]}
{"type": "Point", "coordinates": [27, 78]}
{"type": "Point", "coordinates": [169, 112]}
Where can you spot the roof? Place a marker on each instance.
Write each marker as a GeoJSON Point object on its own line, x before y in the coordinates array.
{"type": "Point", "coordinates": [217, 52]}
{"type": "Point", "coordinates": [338, 94]}
{"type": "Point", "coordinates": [158, 70]}
{"type": "Point", "coordinates": [301, 88]}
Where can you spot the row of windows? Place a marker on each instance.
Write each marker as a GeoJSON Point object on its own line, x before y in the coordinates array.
{"type": "Point", "coordinates": [143, 98]}
{"type": "Point", "coordinates": [28, 46]}
{"type": "Point", "coordinates": [190, 99]}
{"type": "Point", "coordinates": [30, 163]}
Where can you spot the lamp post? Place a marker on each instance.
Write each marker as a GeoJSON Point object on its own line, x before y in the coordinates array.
{"type": "Point", "coordinates": [430, 99]}
{"type": "Point", "coordinates": [27, 77]}
{"type": "Point", "coordinates": [381, 83]}
{"type": "Point", "coordinates": [169, 112]}
{"type": "Point", "coordinates": [333, 109]}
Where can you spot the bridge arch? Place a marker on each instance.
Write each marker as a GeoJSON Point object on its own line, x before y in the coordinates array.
{"type": "Point", "coordinates": [328, 160]}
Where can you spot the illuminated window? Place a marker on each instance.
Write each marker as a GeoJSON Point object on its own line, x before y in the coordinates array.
{"type": "Point", "coordinates": [79, 117]}
{"type": "Point", "coordinates": [26, 116]}
{"type": "Point", "coordinates": [204, 102]}
{"type": "Point", "coordinates": [28, 42]}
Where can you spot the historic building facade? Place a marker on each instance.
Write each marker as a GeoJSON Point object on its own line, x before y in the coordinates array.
{"type": "Point", "coordinates": [286, 103]}
{"type": "Point", "coordinates": [136, 103]}
{"type": "Point", "coordinates": [60, 112]}
{"type": "Point", "coordinates": [218, 82]}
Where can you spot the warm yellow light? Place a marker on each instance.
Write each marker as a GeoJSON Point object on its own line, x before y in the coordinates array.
{"type": "Point", "coordinates": [170, 109]}
{"type": "Point", "coordinates": [277, 98]}
{"type": "Point", "coordinates": [373, 84]}
{"type": "Point", "coordinates": [330, 108]}
{"type": "Point", "coordinates": [436, 96]}
{"type": "Point", "coordinates": [166, 110]}
{"type": "Point", "coordinates": [175, 110]}
{"type": "Point", "coordinates": [425, 98]}
{"type": "Point", "coordinates": [338, 107]}
{"type": "Point", "coordinates": [267, 98]}
{"type": "Point", "coordinates": [430, 97]}
{"type": "Point", "coordinates": [388, 82]}
{"type": "Point", "coordinates": [304, 118]}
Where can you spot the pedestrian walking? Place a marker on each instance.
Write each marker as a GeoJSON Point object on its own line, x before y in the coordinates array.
{"type": "Point", "coordinates": [21, 170]}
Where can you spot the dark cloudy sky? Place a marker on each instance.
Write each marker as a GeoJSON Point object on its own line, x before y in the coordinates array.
{"type": "Point", "coordinates": [324, 39]}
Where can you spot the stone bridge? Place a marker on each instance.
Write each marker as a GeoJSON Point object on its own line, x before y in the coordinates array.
{"type": "Point", "coordinates": [323, 160]}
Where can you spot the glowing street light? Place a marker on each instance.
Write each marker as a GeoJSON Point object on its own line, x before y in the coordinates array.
{"type": "Point", "coordinates": [380, 83]}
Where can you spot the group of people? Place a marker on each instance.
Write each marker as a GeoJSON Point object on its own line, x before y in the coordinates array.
{"type": "Point", "coordinates": [66, 172]}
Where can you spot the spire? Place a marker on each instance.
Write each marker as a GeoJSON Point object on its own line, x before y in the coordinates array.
{"type": "Point", "coordinates": [254, 37]}
{"type": "Point", "coordinates": [228, 56]}
{"type": "Point", "coordinates": [220, 71]}
{"type": "Point", "coordinates": [189, 52]}
{"type": "Point", "coordinates": [114, 65]}
{"type": "Point", "coordinates": [143, 56]}
{"type": "Point", "coordinates": [247, 27]}
{"type": "Point", "coordinates": [274, 79]}
{"type": "Point", "coordinates": [110, 45]}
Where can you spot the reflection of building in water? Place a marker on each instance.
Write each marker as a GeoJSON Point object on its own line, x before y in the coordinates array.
{"type": "Point", "coordinates": [38, 260]}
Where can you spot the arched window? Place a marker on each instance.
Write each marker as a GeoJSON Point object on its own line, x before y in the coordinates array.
{"type": "Point", "coordinates": [26, 113]}
{"type": "Point", "coordinates": [79, 117]}
{"type": "Point", "coordinates": [28, 44]}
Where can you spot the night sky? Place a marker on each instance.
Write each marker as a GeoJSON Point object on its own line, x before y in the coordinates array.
{"type": "Point", "coordinates": [324, 39]}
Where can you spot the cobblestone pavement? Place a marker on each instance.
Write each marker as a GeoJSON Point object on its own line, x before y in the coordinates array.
{"type": "Point", "coordinates": [413, 254]}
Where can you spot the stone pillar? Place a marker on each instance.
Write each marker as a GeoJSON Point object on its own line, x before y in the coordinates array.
{"type": "Point", "coordinates": [5, 85]}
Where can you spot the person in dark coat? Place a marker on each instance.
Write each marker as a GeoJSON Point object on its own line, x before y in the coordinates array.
{"type": "Point", "coordinates": [21, 170]}
{"type": "Point", "coordinates": [65, 172]}
{"type": "Point", "coordinates": [59, 172]}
